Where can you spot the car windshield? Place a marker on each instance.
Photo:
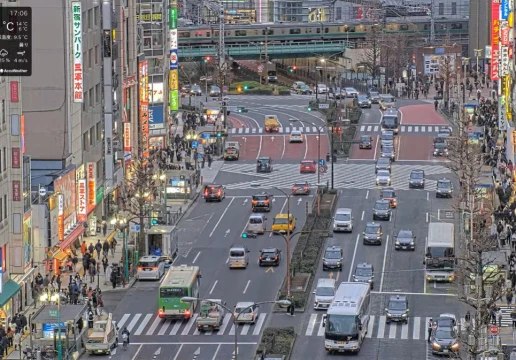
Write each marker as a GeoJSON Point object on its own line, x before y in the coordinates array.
{"type": "Point", "coordinates": [244, 310]}
{"type": "Point", "coordinates": [388, 194]}
{"type": "Point", "coordinates": [296, 133]}
{"type": "Point", "coordinates": [215, 88]}
{"type": "Point", "coordinates": [437, 252]}
{"type": "Point", "coordinates": [236, 253]}
{"type": "Point", "coordinates": [259, 197]}
{"type": "Point", "coordinates": [383, 161]}
{"type": "Point", "coordinates": [387, 98]}
{"type": "Point", "coordinates": [362, 98]}
{"type": "Point", "coordinates": [405, 235]}
{"type": "Point", "coordinates": [263, 162]}
{"type": "Point", "coordinates": [387, 149]}
{"type": "Point", "coordinates": [389, 120]}
{"type": "Point", "coordinates": [307, 163]}
{"type": "Point", "coordinates": [383, 173]}
{"type": "Point", "coordinates": [350, 90]}
{"type": "Point", "coordinates": [397, 305]}
{"type": "Point", "coordinates": [382, 206]}
{"type": "Point", "coordinates": [373, 93]}
{"type": "Point", "coordinates": [372, 229]}
{"type": "Point", "coordinates": [364, 272]}
{"type": "Point", "coordinates": [343, 217]}
{"type": "Point", "coordinates": [300, 185]}
{"type": "Point", "coordinates": [417, 175]}
{"type": "Point", "coordinates": [255, 220]}
{"type": "Point", "coordinates": [387, 137]}
{"type": "Point", "coordinates": [332, 254]}
{"type": "Point", "coordinates": [325, 291]}
{"type": "Point", "coordinates": [443, 185]}
{"type": "Point", "coordinates": [148, 263]}
{"type": "Point", "coordinates": [268, 254]}
{"type": "Point", "coordinates": [445, 333]}
{"type": "Point", "coordinates": [280, 221]}
{"type": "Point", "coordinates": [365, 138]}
{"type": "Point", "coordinates": [196, 87]}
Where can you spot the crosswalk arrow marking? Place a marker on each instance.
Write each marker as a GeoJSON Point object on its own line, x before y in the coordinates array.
{"type": "Point", "coordinates": [299, 201]}
{"type": "Point", "coordinates": [272, 138]}
{"type": "Point", "coordinates": [197, 352]}
{"type": "Point", "coordinates": [270, 270]}
{"type": "Point", "coordinates": [245, 202]}
{"type": "Point", "coordinates": [157, 352]}
{"type": "Point", "coordinates": [273, 200]}
{"type": "Point", "coordinates": [227, 232]}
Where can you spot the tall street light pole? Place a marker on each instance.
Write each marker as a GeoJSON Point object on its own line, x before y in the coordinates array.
{"type": "Point", "coordinates": [478, 53]}
{"type": "Point", "coordinates": [121, 224]}
{"type": "Point", "coordinates": [234, 315]}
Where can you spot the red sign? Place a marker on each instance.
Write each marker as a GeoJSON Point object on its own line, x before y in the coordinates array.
{"type": "Point", "coordinates": [493, 329]}
{"type": "Point", "coordinates": [16, 190]}
{"type": "Point", "coordinates": [129, 81]}
{"type": "Point", "coordinates": [91, 174]}
{"type": "Point", "coordinates": [144, 108]}
{"type": "Point", "coordinates": [16, 158]}
{"type": "Point", "coordinates": [15, 95]}
{"type": "Point", "coordinates": [495, 39]}
{"type": "Point", "coordinates": [127, 136]}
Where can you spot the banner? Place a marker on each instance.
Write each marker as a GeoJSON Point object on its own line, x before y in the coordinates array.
{"type": "Point", "coordinates": [504, 34]}
{"type": "Point", "coordinates": [495, 39]}
{"type": "Point", "coordinates": [82, 206]}
{"type": "Point", "coordinates": [503, 69]}
{"type": "Point", "coordinates": [91, 175]}
{"type": "Point", "coordinates": [65, 185]}
{"type": "Point", "coordinates": [144, 108]}
{"type": "Point", "coordinates": [60, 217]}
{"type": "Point", "coordinates": [156, 93]}
{"type": "Point", "coordinates": [173, 58]}
{"type": "Point", "coordinates": [127, 136]}
{"type": "Point", "coordinates": [505, 9]}
{"type": "Point", "coordinates": [174, 99]}
{"type": "Point", "coordinates": [156, 117]}
{"type": "Point", "coordinates": [76, 25]}
{"type": "Point", "coordinates": [174, 64]}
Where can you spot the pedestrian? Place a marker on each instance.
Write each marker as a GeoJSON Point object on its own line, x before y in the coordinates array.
{"type": "Point", "coordinates": [112, 278]}
{"type": "Point", "coordinates": [105, 263]}
{"type": "Point", "coordinates": [499, 315]}
{"type": "Point", "coordinates": [17, 341]}
{"type": "Point", "coordinates": [58, 282]}
{"type": "Point", "coordinates": [430, 328]}
{"type": "Point", "coordinates": [508, 297]}
{"type": "Point", "coordinates": [90, 319]}
{"type": "Point", "coordinates": [105, 248]}
{"type": "Point", "coordinates": [98, 248]}
{"type": "Point", "coordinates": [91, 272]}
{"type": "Point", "coordinates": [84, 247]}
{"type": "Point", "coordinates": [113, 247]}
{"type": "Point", "coordinates": [91, 249]}
{"type": "Point", "coordinates": [104, 227]}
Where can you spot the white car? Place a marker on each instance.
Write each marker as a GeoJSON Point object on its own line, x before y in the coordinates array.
{"type": "Point", "coordinates": [322, 89]}
{"type": "Point", "coordinates": [246, 312]}
{"type": "Point", "coordinates": [351, 92]}
{"type": "Point", "coordinates": [296, 137]}
{"type": "Point", "coordinates": [150, 268]}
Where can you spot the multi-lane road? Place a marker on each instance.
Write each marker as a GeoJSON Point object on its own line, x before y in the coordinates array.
{"type": "Point", "coordinates": [209, 229]}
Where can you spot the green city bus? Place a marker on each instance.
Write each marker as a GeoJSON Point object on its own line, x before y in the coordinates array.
{"type": "Point", "coordinates": [180, 281]}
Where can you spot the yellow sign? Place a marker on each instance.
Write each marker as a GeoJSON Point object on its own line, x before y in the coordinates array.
{"type": "Point", "coordinates": [507, 93]}
{"type": "Point", "coordinates": [173, 80]}
{"type": "Point", "coordinates": [149, 17]}
{"type": "Point", "coordinates": [510, 19]}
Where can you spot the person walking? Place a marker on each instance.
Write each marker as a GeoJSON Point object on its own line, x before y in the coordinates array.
{"type": "Point", "coordinates": [98, 248]}
{"type": "Point", "coordinates": [430, 328]}
{"type": "Point", "coordinates": [105, 248]}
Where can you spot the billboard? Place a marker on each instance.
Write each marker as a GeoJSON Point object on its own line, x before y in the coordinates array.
{"type": "Point", "coordinates": [82, 205]}
{"type": "Point", "coordinates": [76, 25]}
{"type": "Point", "coordinates": [60, 217]}
{"type": "Point", "coordinates": [127, 136]}
{"type": "Point", "coordinates": [91, 175]}
{"type": "Point", "coordinates": [65, 185]}
{"type": "Point", "coordinates": [505, 9]}
{"type": "Point", "coordinates": [495, 39]}
{"type": "Point", "coordinates": [156, 117]}
{"type": "Point", "coordinates": [503, 69]}
{"type": "Point", "coordinates": [156, 93]}
{"type": "Point", "coordinates": [174, 58]}
{"type": "Point", "coordinates": [144, 107]}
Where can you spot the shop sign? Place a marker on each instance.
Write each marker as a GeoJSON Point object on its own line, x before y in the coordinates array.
{"type": "Point", "coordinates": [16, 190]}
{"type": "Point", "coordinates": [505, 10]}
{"type": "Point", "coordinates": [156, 93]}
{"type": "Point", "coordinates": [488, 51]}
{"type": "Point", "coordinates": [504, 61]}
{"type": "Point", "coordinates": [174, 99]}
{"type": "Point", "coordinates": [127, 136]}
{"type": "Point", "coordinates": [91, 172]}
{"type": "Point", "coordinates": [502, 114]}
{"type": "Point", "coordinates": [173, 39]}
{"type": "Point", "coordinates": [149, 17]}
{"type": "Point", "coordinates": [15, 157]}
{"type": "Point", "coordinates": [99, 195]}
{"type": "Point", "coordinates": [173, 80]}
{"type": "Point", "coordinates": [77, 51]}
{"type": "Point", "coordinates": [66, 185]}
{"type": "Point", "coordinates": [15, 94]}
{"type": "Point", "coordinates": [83, 203]}
{"type": "Point", "coordinates": [60, 217]}
{"type": "Point", "coordinates": [504, 35]}
{"type": "Point", "coordinates": [129, 81]}
{"type": "Point", "coordinates": [495, 39]}
{"type": "Point", "coordinates": [144, 108]}
{"type": "Point", "coordinates": [174, 65]}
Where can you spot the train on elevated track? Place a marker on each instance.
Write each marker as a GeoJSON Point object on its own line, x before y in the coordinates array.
{"type": "Point", "coordinates": [417, 26]}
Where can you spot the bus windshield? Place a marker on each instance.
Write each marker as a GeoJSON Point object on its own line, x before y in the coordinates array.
{"type": "Point", "coordinates": [439, 258]}
{"type": "Point", "coordinates": [338, 326]}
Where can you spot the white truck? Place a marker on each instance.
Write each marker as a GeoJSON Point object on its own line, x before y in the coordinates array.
{"type": "Point", "coordinates": [103, 338]}
{"type": "Point", "coordinates": [231, 150]}
{"type": "Point", "coordinates": [211, 315]}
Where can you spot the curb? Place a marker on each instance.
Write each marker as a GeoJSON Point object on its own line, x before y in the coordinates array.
{"type": "Point", "coordinates": [118, 289]}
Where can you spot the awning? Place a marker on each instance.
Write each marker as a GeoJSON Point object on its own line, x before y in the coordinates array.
{"type": "Point", "coordinates": [59, 255]}
{"type": "Point", "coordinates": [71, 238]}
{"type": "Point", "coordinates": [111, 236]}
{"type": "Point", "coordinates": [8, 290]}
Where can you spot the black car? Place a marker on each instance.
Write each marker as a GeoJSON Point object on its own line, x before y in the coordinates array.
{"type": "Point", "coordinates": [444, 188]}
{"type": "Point", "coordinates": [388, 152]}
{"type": "Point", "coordinates": [383, 164]}
{"type": "Point", "coordinates": [214, 91]}
{"type": "Point", "coordinates": [372, 234]}
{"type": "Point", "coordinates": [304, 90]}
{"type": "Point", "coordinates": [261, 202]}
{"type": "Point", "coordinates": [444, 339]}
{"type": "Point", "coordinates": [363, 102]}
{"type": "Point", "coordinates": [382, 210]}
{"type": "Point", "coordinates": [374, 97]}
{"type": "Point", "coordinates": [214, 193]}
{"type": "Point", "coordinates": [440, 149]}
{"type": "Point", "coordinates": [264, 164]}
{"type": "Point", "coordinates": [397, 309]}
{"type": "Point", "coordinates": [364, 273]}
{"type": "Point", "coordinates": [405, 240]}
{"type": "Point", "coordinates": [417, 179]}
{"type": "Point", "coordinates": [366, 142]}
{"type": "Point", "coordinates": [332, 258]}
{"type": "Point", "coordinates": [269, 257]}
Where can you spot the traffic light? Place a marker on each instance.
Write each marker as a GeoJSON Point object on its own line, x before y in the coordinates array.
{"type": "Point", "coordinates": [309, 108]}
{"type": "Point", "coordinates": [337, 130]}
{"type": "Point", "coordinates": [290, 69]}
{"type": "Point", "coordinates": [246, 87]}
{"type": "Point", "coordinates": [239, 89]}
{"type": "Point", "coordinates": [242, 110]}
{"type": "Point", "coordinates": [244, 236]}
{"type": "Point", "coordinates": [207, 59]}
{"type": "Point", "coordinates": [157, 221]}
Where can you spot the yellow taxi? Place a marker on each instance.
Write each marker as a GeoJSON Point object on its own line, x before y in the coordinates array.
{"type": "Point", "coordinates": [283, 223]}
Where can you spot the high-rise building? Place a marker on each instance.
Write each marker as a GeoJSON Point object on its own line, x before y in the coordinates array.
{"type": "Point", "coordinates": [479, 29]}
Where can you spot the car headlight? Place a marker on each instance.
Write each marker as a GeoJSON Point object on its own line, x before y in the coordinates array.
{"type": "Point", "coordinates": [389, 315]}
{"type": "Point", "coordinates": [436, 346]}
{"type": "Point", "coordinates": [397, 243]}
{"type": "Point", "coordinates": [325, 262]}
{"type": "Point", "coordinates": [455, 346]}
{"type": "Point", "coordinates": [404, 315]}
{"type": "Point", "coordinates": [370, 280]}
{"type": "Point", "coordinates": [356, 280]}
{"type": "Point", "coordinates": [411, 243]}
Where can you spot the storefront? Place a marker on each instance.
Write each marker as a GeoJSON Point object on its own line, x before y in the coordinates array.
{"type": "Point", "coordinates": [156, 143]}
{"type": "Point", "coordinates": [9, 302]}
{"type": "Point", "coordinates": [180, 184]}
{"type": "Point", "coordinates": [58, 254]}
{"type": "Point", "coordinates": [510, 150]}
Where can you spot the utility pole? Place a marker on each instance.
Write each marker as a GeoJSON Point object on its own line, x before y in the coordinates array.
{"type": "Point", "coordinates": [266, 50]}
{"type": "Point", "coordinates": [432, 23]}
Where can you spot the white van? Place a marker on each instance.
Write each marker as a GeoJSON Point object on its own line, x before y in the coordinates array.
{"type": "Point", "coordinates": [150, 268]}
{"type": "Point", "coordinates": [324, 293]}
{"type": "Point", "coordinates": [238, 256]}
{"type": "Point", "coordinates": [256, 224]}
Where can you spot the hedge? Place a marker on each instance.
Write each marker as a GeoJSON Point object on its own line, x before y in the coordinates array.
{"type": "Point", "coordinates": [277, 341]}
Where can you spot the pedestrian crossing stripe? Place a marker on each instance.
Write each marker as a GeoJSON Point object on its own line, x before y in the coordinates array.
{"type": "Point", "coordinates": [377, 328]}
{"type": "Point", "coordinates": [506, 316]}
{"type": "Point", "coordinates": [282, 130]}
{"type": "Point", "coordinates": [406, 128]}
{"type": "Point", "coordinates": [153, 325]}
{"type": "Point", "coordinates": [346, 176]}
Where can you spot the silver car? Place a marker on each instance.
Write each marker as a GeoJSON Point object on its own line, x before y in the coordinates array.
{"type": "Point", "coordinates": [388, 152]}
{"type": "Point", "coordinates": [383, 177]}
{"type": "Point", "coordinates": [351, 92]}
{"type": "Point", "coordinates": [324, 293]}
{"type": "Point", "coordinates": [343, 220]}
{"type": "Point", "coordinates": [387, 138]}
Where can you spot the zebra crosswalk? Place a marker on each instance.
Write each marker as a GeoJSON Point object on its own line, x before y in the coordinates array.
{"type": "Point", "coordinates": [377, 328]}
{"type": "Point", "coordinates": [282, 130]}
{"type": "Point", "coordinates": [506, 316]}
{"type": "Point", "coordinates": [404, 128]}
{"type": "Point", "coordinates": [347, 176]}
{"type": "Point", "coordinates": [153, 325]}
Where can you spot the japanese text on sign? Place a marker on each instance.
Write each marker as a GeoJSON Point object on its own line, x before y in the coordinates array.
{"type": "Point", "coordinates": [16, 41]}
{"type": "Point", "coordinates": [504, 61]}
{"type": "Point", "coordinates": [77, 52]}
{"type": "Point", "coordinates": [16, 158]}
{"type": "Point", "coordinates": [144, 107]}
{"type": "Point", "coordinates": [16, 190]}
{"type": "Point", "coordinates": [92, 176]}
{"type": "Point", "coordinates": [83, 204]}
{"type": "Point", "coordinates": [495, 39]}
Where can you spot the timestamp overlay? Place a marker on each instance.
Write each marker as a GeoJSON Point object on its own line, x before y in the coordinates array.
{"type": "Point", "coordinates": [15, 41]}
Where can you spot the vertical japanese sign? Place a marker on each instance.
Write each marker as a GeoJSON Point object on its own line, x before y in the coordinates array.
{"type": "Point", "coordinates": [506, 9]}
{"type": "Point", "coordinates": [144, 108]}
{"type": "Point", "coordinates": [91, 175]}
{"type": "Point", "coordinates": [16, 190]}
{"type": "Point", "coordinates": [82, 206]}
{"type": "Point", "coordinates": [174, 57]}
{"type": "Point", "coordinates": [495, 40]}
{"type": "Point", "coordinates": [60, 217]}
{"type": "Point", "coordinates": [77, 51]}
{"type": "Point", "coordinates": [127, 136]}
{"type": "Point", "coordinates": [15, 94]}
{"type": "Point", "coordinates": [15, 158]}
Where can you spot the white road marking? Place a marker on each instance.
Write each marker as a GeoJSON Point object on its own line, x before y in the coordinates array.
{"type": "Point", "coordinates": [427, 196]}
{"type": "Point", "coordinates": [284, 146]}
{"type": "Point", "coordinates": [404, 331]}
{"type": "Point", "coordinates": [363, 214]}
{"type": "Point", "coordinates": [225, 322]}
{"type": "Point", "coordinates": [133, 322]}
{"type": "Point", "coordinates": [123, 320]}
{"type": "Point", "coordinates": [140, 347]}
{"type": "Point", "coordinates": [376, 146]}
{"type": "Point", "coordinates": [154, 325]}
{"type": "Point", "coordinates": [232, 330]}
{"type": "Point", "coordinates": [245, 329]}
{"type": "Point", "coordinates": [353, 258]}
{"type": "Point", "coordinates": [416, 330]}
{"type": "Point", "coordinates": [320, 332]}
{"type": "Point", "coordinates": [196, 257]}
{"type": "Point", "coordinates": [311, 324]}
{"type": "Point", "coordinates": [176, 327]}
{"type": "Point", "coordinates": [213, 287]}
{"type": "Point", "coordinates": [381, 328]}
{"type": "Point", "coordinates": [216, 352]}
{"type": "Point", "coordinates": [259, 323]}
{"type": "Point", "coordinates": [306, 146]}
{"type": "Point", "coordinates": [367, 195]}
{"type": "Point", "coordinates": [247, 286]}
{"type": "Point", "coordinates": [370, 327]}
{"type": "Point", "coordinates": [164, 328]}
{"type": "Point", "coordinates": [189, 325]}
{"type": "Point", "coordinates": [384, 258]}
{"type": "Point", "coordinates": [220, 219]}
{"type": "Point", "coordinates": [392, 331]}
{"type": "Point", "coordinates": [427, 217]}
{"type": "Point", "coordinates": [260, 147]}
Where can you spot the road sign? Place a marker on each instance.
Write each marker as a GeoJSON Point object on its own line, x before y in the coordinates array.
{"type": "Point", "coordinates": [205, 136]}
{"type": "Point", "coordinates": [321, 161]}
{"type": "Point", "coordinates": [260, 68]}
{"type": "Point", "coordinates": [232, 108]}
{"type": "Point", "coordinates": [42, 191]}
{"type": "Point", "coordinates": [52, 313]}
{"type": "Point", "coordinates": [200, 149]}
{"type": "Point", "coordinates": [199, 156]}
{"type": "Point", "coordinates": [324, 106]}
{"type": "Point", "coordinates": [322, 169]}
{"type": "Point", "coordinates": [195, 144]}
{"type": "Point", "coordinates": [134, 228]}
{"type": "Point", "coordinates": [493, 329]}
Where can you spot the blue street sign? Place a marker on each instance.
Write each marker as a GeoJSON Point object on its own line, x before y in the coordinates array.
{"type": "Point", "coordinates": [205, 136]}
{"type": "Point", "coordinates": [195, 144]}
{"type": "Point", "coordinates": [199, 156]}
{"type": "Point", "coordinates": [321, 161]}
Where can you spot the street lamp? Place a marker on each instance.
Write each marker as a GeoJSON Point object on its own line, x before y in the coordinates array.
{"type": "Point", "coordinates": [465, 61]}
{"type": "Point", "coordinates": [121, 224]}
{"type": "Point", "coordinates": [56, 297]}
{"type": "Point", "coordinates": [234, 315]}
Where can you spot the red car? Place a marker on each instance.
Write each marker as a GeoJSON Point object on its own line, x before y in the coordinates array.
{"type": "Point", "coordinates": [308, 166]}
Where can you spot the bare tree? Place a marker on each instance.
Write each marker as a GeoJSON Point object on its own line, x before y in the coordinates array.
{"type": "Point", "coordinates": [397, 48]}
{"type": "Point", "coordinates": [370, 58]}
{"type": "Point", "coordinates": [479, 274]}
{"type": "Point", "coordinates": [141, 190]}
{"type": "Point", "coordinates": [446, 74]}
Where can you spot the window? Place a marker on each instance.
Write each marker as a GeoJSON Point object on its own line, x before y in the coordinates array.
{"type": "Point", "coordinates": [97, 93]}
{"type": "Point", "coordinates": [85, 141]}
{"type": "Point", "coordinates": [90, 19]}
{"type": "Point", "coordinates": [97, 55]}
{"type": "Point", "coordinates": [240, 33]}
{"type": "Point", "coordinates": [454, 8]}
{"type": "Point", "coordinates": [338, 16]}
{"type": "Point", "coordinates": [3, 111]}
{"type": "Point", "coordinates": [85, 60]}
{"type": "Point", "coordinates": [1, 208]}
{"type": "Point", "coordinates": [84, 20]}
{"type": "Point", "coordinates": [4, 159]}
{"type": "Point", "coordinates": [91, 62]}
{"type": "Point", "coordinates": [184, 34]}
{"type": "Point", "coordinates": [96, 16]}
{"type": "Point", "coordinates": [91, 97]}
{"type": "Point", "coordinates": [157, 38]}
{"type": "Point", "coordinates": [0, 160]}
{"type": "Point", "coordinates": [441, 8]}
{"type": "Point", "coordinates": [92, 136]}
{"type": "Point", "coordinates": [85, 101]}
{"type": "Point", "coordinates": [147, 43]}
{"type": "Point", "coordinates": [5, 206]}
{"type": "Point", "coordinates": [98, 131]}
